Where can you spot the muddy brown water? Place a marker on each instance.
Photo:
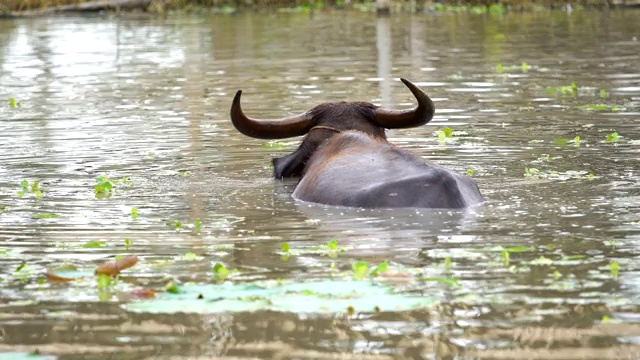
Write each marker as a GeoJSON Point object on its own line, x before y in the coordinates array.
{"type": "Point", "coordinates": [147, 98]}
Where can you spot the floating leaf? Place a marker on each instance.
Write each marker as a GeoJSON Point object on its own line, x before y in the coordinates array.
{"type": "Point", "coordinates": [332, 244]}
{"type": "Point", "coordinates": [134, 213]}
{"type": "Point", "coordinates": [93, 244]}
{"type": "Point", "coordinates": [381, 268]}
{"type": "Point", "coordinates": [614, 268]}
{"type": "Point", "coordinates": [613, 137]}
{"type": "Point", "coordinates": [326, 296]}
{"type": "Point", "coordinates": [220, 272]}
{"type": "Point", "coordinates": [285, 247]}
{"type": "Point", "coordinates": [197, 225]}
{"type": "Point", "coordinates": [470, 172]}
{"type": "Point", "coordinates": [360, 269]}
{"type": "Point", "coordinates": [127, 243]}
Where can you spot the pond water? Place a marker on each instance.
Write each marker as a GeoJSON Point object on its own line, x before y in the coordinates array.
{"type": "Point", "coordinates": [547, 268]}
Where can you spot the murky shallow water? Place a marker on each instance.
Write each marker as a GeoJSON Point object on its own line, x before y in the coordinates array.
{"type": "Point", "coordinates": [148, 99]}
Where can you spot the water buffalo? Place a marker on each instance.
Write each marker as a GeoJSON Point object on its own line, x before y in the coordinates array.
{"type": "Point", "coordinates": [345, 159]}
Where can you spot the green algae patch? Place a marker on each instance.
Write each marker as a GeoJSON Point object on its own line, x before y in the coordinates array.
{"type": "Point", "coordinates": [326, 296]}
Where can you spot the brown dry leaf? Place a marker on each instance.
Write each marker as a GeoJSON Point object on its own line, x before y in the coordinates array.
{"type": "Point", "coordinates": [113, 268]}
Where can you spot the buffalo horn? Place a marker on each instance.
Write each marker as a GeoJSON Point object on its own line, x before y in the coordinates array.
{"type": "Point", "coordinates": [268, 129]}
{"type": "Point", "coordinates": [398, 119]}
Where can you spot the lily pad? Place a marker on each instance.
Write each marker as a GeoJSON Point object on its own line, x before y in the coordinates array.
{"type": "Point", "coordinates": [25, 356]}
{"type": "Point", "coordinates": [327, 296]}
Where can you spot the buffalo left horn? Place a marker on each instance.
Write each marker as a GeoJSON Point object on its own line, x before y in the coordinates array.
{"type": "Point", "coordinates": [398, 119]}
{"type": "Point", "coordinates": [269, 129]}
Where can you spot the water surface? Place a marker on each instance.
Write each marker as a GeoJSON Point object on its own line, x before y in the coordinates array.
{"type": "Point", "coordinates": [147, 98]}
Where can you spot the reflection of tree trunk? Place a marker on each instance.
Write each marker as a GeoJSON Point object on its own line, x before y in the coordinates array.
{"type": "Point", "coordinates": [383, 7]}
{"type": "Point", "coordinates": [92, 6]}
{"type": "Point", "coordinates": [383, 44]}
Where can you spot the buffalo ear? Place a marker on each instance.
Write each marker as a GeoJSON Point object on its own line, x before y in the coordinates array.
{"type": "Point", "coordinates": [289, 165]}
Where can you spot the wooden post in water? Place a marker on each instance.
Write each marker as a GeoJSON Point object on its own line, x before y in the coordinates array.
{"type": "Point", "coordinates": [383, 7]}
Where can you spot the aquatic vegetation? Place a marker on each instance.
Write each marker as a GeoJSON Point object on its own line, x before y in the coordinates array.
{"type": "Point", "coordinates": [275, 145]}
{"type": "Point", "coordinates": [444, 135]}
{"type": "Point", "coordinates": [93, 244]}
{"type": "Point", "coordinates": [285, 247]}
{"type": "Point", "coordinates": [33, 188]}
{"type": "Point", "coordinates": [220, 272]}
{"type": "Point", "coordinates": [571, 89]}
{"type": "Point", "coordinates": [127, 243]}
{"type": "Point", "coordinates": [134, 213]}
{"type": "Point", "coordinates": [14, 104]}
{"type": "Point", "coordinates": [172, 288]}
{"type": "Point", "coordinates": [197, 225]}
{"type": "Point", "coordinates": [598, 107]}
{"type": "Point", "coordinates": [612, 138]}
{"type": "Point", "coordinates": [563, 141]}
{"type": "Point", "coordinates": [189, 256]}
{"type": "Point", "coordinates": [469, 172]}
{"type": "Point", "coordinates": [103, 187]}
{"type": "Point", "coordinates": [323, 296]}
{"type": "Point", "coordinates": [603, 93]}
{"type": "Point", "coordinates": [45, 216]}
{"type": "Point", "coordinates": [557, 175]}
{"type": "Point", "coordinates": [360, 269]}
{"type": "Point", "coordinates": [614, 269]}
{"type": "Point", "coordinates": [175, 224]}
{"type": "Point", "coordinates": [524, 67]}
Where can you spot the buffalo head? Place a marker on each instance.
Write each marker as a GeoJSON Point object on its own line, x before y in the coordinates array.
{"type": "Point", "coordinates": [326, 120]}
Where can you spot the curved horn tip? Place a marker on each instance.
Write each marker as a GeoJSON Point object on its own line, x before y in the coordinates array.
{"type": "Point", "coordinates": [237, 97]}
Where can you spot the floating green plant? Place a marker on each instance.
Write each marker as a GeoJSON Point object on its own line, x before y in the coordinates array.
{"type": "Point", "coordinates": [127, 243]}
{"type": "Point", "coordinates": [285, 247]}
{"type": "Point", "coordinates": [103, 187]}
{"type": "Point", "coordinates": [360, 269]}
{"type": "Point", "coordinates": [33, 188]}
{"type": "Point", "coordinates": [93, 244]}
{"type": "Point", "coordinates": [175, 224]}
{"type": "Point", "coordinates": [469, 172]}
{"type": "Point", "coordinates": [324, 296]}
{"type": "Point", "coordinates": [531, 171]}
{"type": "Point", "coordinates": [134, 213]}
{"type": "Point", "coordinates": [614, 269]}
{"type": "Point", "coordinates": [445, 134]}
{"type": "Point", "coordinates": [45, 216]}
{"type": "Point", "coordinates": [612, 138]}
{"type": "Point", "coordinates": [14, 104]}
{"type": "Point", "coordinates": [571, 89]}
{"type": "Point", "coordinates": [220, 272]}
{"type": "Point", "coordinates": [197, 225]}
{"type": "Point", "coordinates": [597, 107]}
{"type": "Point", "coordinates": [190, 256]}
{"type": "Point", "coordinates": [603, 93]}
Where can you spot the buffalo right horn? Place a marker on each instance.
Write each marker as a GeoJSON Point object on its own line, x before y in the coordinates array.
{"type": "Point", "coordinates": [269, 129]}
{"type": "Point", "coordinates": [398, 119]}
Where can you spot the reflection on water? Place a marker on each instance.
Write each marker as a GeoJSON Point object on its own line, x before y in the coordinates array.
{"type": "Point", "coordinates": [148, 99]}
